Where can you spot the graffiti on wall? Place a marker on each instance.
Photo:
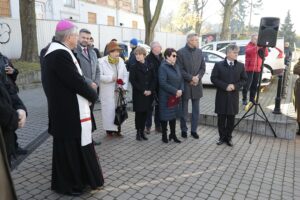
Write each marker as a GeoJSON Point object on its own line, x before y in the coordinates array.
{"type": "Point", "coordinates": [5, 32]}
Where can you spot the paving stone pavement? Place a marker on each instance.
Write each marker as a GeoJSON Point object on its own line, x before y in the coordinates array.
{"type": "Point", "coordinates": [268, 168]}
{"type": "Point", "coordinates": [37, 120]}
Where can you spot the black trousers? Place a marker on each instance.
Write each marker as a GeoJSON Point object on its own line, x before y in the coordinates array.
{"type": "Point", "coordinates": [140, 120]}
{"type": "Point", "coordinates": [156, 117]}
{"type": "Point", "coordinates": [172, 124]}
{"type": "Point", "coordinates": [251, 85]}
{"type": "Point", "coordinates": [225, 126]}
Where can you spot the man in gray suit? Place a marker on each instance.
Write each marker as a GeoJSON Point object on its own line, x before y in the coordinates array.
{"type": "Point", "coordinates": [192, 65]}
{"type": "Point", "coordinates": [88, 63]}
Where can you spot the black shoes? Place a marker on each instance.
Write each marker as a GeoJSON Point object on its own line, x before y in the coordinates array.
{"type": "Point", "coordinates": [21, 151]}
{"type": "Point", "coordinates": [174, 137]}
{"type": "Point", "coordinates": [195, 135]}
{"type": "Point", "coordinates": [229, 143]}
{"type": "Point", "coordinates": [164, 137]}
{"type": "Point", "coordinates": [184, 134]}
{"type": "Point", "coordinates": [140, 135]}
{"type": "Point", "coordinates": [143, 136]}
{"type": "Point", "coordinates": [219, 142]}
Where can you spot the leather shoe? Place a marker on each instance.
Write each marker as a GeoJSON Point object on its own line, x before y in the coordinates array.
{"type": "Point", "coordinates": [219, 142]}
{"type": "Point", "coordinates": [229, 143]}
{"type": "Point", "coordinates": [195, 135]}
{"type": "Point", "coordinates": [21, 151]}
{"type": "Point", "coordinates": [184, 134]}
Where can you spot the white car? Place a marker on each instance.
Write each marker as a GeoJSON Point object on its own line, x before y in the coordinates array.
{"type": "Point", "coordinates": [274, 61]}
{"type": "Point", "coordinates": [212, 57]}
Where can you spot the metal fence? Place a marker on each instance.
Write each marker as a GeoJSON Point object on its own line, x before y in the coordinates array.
{"type": "Point", "coordinates": [11, 38]}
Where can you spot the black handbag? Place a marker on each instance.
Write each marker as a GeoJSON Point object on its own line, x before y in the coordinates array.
{"type": "Point", "coordinates": [121, 110]}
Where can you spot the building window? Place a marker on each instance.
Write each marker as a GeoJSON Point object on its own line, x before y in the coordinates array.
{"type": "Point", "coordinates": [134, 6]}
{"type": "Point", "coordinates": [110, 20]}
{"type": "Point", "coordinates": [69, 3]}
{"type": "Point", "coordinates": [134, 24]}
{"type": "Point", "coordinates": [39, 10]}
{"type": "Point", "coordinates": [5, 8]}
{"type": "Point", "coordinates": [92, 18]}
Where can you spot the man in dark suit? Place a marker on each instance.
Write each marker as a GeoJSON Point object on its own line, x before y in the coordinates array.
{"type": "Point", "coordinates": [89, 65]}
{"type": "Point", "coordinates": [229, 77]}
{"type": "Point", "coordinates": [192, 65]}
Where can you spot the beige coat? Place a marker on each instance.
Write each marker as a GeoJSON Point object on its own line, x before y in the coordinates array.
{"type": "Point", "coordinates": [297, 90]}
{"type": "Point", "coordinates": [7, 190]}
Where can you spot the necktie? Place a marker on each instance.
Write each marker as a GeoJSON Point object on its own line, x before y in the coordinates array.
{"type": "Point", "coordinates": [85, 52]}
{"type": "Point", "coordinates": [231, 64]}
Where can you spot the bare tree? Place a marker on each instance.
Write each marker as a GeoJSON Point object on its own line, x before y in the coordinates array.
{"type": "Point", "coordinates": [198, 8]}
{"type": "Point", "coordinates": [150, 22]}
{"type": "Point", "coordinates": [28, 30]}
{"type": "Point", "coordinates": [228, 6]}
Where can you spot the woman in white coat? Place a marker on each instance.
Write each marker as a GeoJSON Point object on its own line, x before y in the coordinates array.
{"type": "Point", "coordinates": [112, 68]}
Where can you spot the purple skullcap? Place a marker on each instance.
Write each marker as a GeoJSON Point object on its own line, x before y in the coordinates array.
{"type": "Point", "coordinates": [63, 25]}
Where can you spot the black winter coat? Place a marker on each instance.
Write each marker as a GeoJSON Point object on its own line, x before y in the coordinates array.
{"type": "Point", "coordinates": [222, 75]}
{"type": "Point", "coordinates": [8, 119]}
{"type": "Point", "coordinates": [155, 63]}
{"type": "Point", "coordinates": [142, 78]}
{"type": "Point", "coordinates": [61, 83]}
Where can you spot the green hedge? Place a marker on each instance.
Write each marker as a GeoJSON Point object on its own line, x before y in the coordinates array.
{"type": "Point", "coordinates": [26, 66]}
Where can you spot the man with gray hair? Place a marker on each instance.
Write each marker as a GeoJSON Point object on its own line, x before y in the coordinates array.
{"type": "Point", "coordinates": [154, 58]}
{"type": "Point", "coordinates": [228, 76]}
{"type": "Point", "coordinates": [192, 65]}
{"type": "Point", "coordinates": [74, 160]}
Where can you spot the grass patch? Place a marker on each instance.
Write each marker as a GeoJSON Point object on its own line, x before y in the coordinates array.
{"type": "Point", "coordinates": [24, 67]}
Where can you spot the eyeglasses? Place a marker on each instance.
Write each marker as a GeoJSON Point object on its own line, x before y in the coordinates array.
{"type": "Point", "coordinates": [174, 56]}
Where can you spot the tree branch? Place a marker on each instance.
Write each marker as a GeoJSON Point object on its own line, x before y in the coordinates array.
{"type": "Point", "coordinates": [234, 3]}
{"type": "Point", "coordinates": [156, 13]}
{"type": "Point", "coordinates": [147, 12]}
{"type": "Point", "coordinates": [223, 4]}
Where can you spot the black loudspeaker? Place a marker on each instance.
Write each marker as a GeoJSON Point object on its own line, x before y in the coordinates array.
{"type": "Point", "coordinates": [268, 30]}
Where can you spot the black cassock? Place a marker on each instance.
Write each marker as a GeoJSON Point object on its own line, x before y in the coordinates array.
{"type": "Point", "coordinates": [73, 166]}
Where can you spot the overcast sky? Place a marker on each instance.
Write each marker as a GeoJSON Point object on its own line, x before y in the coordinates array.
{"type": "Point", "coordinates": [270, 8]}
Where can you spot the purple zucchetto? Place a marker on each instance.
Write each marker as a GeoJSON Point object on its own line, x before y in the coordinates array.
{"type": "Point", "coordinates": [63, 25]}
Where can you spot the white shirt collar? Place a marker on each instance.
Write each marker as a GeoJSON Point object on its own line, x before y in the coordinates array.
{"type": "Point", "coordinates": [228, 61]}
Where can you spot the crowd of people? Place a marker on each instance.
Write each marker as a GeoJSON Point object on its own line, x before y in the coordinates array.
{"type": "Point", "coordinates": [75, 76]}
